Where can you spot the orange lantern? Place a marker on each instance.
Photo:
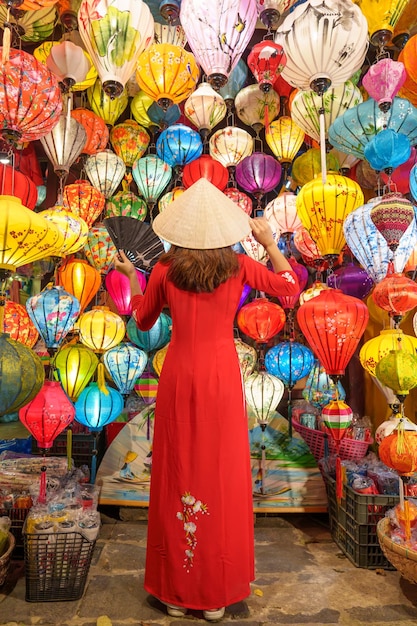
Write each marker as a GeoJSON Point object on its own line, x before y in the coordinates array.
{"type": "Point", "coordinates": [79, 278]}
{"type": "Point", "coordinates": [396, 294]}
{"type": "Point", "coordinates": [399, 451]}
{"type": "Point", "coordinates": [261, 319]}
{"type": "Point", "coordinates": [84, 200]}
{"type": "Point", "coordinates": [95, 128]}
{"type": "Point", "coordinates": [18, 325]}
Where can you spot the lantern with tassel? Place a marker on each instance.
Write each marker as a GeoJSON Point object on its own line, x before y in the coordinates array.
{"type": "Point", "coordinates": [266, 60]}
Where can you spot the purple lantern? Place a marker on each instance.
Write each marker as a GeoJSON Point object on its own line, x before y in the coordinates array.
{"type": "Point", "coordinates": [245, 293]}
{"type": "Point", "coordinates": [352, 280]}
{"type": "Point", "coordinates": [258, 174]}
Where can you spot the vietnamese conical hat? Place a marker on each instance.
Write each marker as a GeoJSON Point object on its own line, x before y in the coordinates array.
{"type": "Point", "coordinates": [202, 218]}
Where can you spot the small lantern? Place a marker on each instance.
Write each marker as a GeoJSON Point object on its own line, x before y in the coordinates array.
{"type": "Point", "coordinates": [263, 393]}
{"type": "Point", "coordinates": [261, 319]}
{"type": "Point", "coordinates": [399, 451]}
{"type": "Point", "coordinates": [383, 81]}
{"type": "Point", "coordinates": [266, 60]}
{"type": "Point", "coordinates": [109, 109]}
{"type": "Point", "coordinates": [320, 388]}
{"type": "Point", "coordinates": [337, 417]}
{"type": "Point", "coordinates": [151, 175]}
{"type": "Point", "coordinates": [126, 203]}
{"type": "Point", "coordinates": [392, 215]}
{"type": "Point", "coordinates": [72, 227]}
{"type": "Point", "coordinates": [178, 145]}
{"type": "Point", "coordinates": [247, 356]}
{"type": "Point", "coordinates": [205, 167]}
{"type": "Point", "coordinates": [396, 294]}
{"type": "Point", "coordinates": [154, 338]}
{"type": "Point", "coordinates": [230, 145]}
{"type": "Point", "coordinates": [99, 249]}
{"type": "Point", "coordinates": [289, 361]}
{"type": "Point", "coordinates": [352, 280]}
{"type": "Point", "coordinates": [81, 279]}
{"type": "Point", "coordinates": [376, 348]}
{"type": "Point", "coordinates": [125, 364]}
{"type": "Point", "coordinates": [75, 365]}
{"type": "Point", "coordinates": [118, 286]}
{"type": "Point", "coordinates": [398, 371]}
{"type": "Point", "coordinates": [258, 174]}
{"type": "Point", "coordinates": [18, 325]}
{"type": "Point", "coordinates": [387, 150]}
{"type": "Point", "coordinates": [257, 108]}
{"type": "Point", "coordinates": [284, 138]}
{"type": "Point", "coordinates": [105, 171]}
{"type": "Point", "coordinates": [95, 128]}
{"type": "Point", "coordinates": [281, 213]}
{"type": "Point", "coordinates": [205, 108]}
{"type": "Point", "coordinates": [129, 141]}
{"type": "Point", "coordinates": [241, 199]}
{"type": "Point", "coordinates": [84, 200]}
{"type": "Point", "coordinates": [69, 64]}
{"type": "Point", "coordinates": [100, 329]}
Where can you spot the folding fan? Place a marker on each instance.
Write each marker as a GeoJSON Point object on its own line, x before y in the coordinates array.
{"type": "Point", "coordinates": [137, 239]}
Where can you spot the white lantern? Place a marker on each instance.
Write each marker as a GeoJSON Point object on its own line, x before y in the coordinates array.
{"type": "Point", "coordinates": [105, 171]}
{"type": "Point", "coordinates": [230, 145]}
{"type": "Point", "coordinates": [69, 63]}
{"type": "Point", "coordinates": [263, 393]}
{"type": "Point", "coordinates": [205, 108]}
{"type": "Point", "coordinates": [64, 144]}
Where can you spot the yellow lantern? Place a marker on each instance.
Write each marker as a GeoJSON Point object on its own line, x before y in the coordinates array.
{"type": "Point", "coordinates": [81, 279]}
{"type": "Point", "coordinates": [322, 208]}
{"type": "Point", "coordinates": [405, 25]}
{"type": "Point", "coordinates": [308, 165]}
{"type": "Point", "coordinates": [284, 138]}
{"type": "Point", "coordinates": [382, 17]}
{"type": "Point", "coordinates": [73, 228]}
{"type": "Point", "coordinates": [100, 329]}
{"type": "Point", "coordinates": [32, 26]}
{"type": "Point", "coordinates": [42, 52]}
{"type": "Point", "coordinates": [139, 106]}
{"type": "Point", "coordinates": [167, 73]}
{"type": "Point", "coordinates": [169, 197]}
{"type": "Point", "coordinates": [75, 365]}
{"type": "Point", "coordinates": [105, 107]}
{"type": "Point", "coordinates": [129, 141]}
{"type": "Point", "coordinates": [159, 358]}
{"type": "Point", "coordinates": [376, 348]}
{"type": "Point", "coordinates": [398, 371]}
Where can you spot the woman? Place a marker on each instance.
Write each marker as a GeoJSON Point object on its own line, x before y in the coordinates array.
{"type": "Point", "coordinates": [200, 550]}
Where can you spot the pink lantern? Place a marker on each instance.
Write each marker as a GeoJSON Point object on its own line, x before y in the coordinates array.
{"type": "Point", "coordinates": [118, 287]}
{"type": "Point", "coordinates": [239, 198]}
{"type": "Point", "coordinates": [266, 60]}
{"type": "Point", "coordinates": [281, 213]}
{"type": "Point", "coordinates": [289, 302]}
{"type": "Point", "coordinates": [383, 80]}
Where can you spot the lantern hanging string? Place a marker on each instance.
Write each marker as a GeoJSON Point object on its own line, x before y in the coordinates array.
{"type": "Point", "coordinates": [323, 141]}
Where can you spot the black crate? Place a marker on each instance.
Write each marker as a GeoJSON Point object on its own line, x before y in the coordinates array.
{"type": "Point", "coordinates": [83, 445]}
{"type": "Point", "coordinates": [353, 523]}
{"type": "Point", "coordinates": [56, 566]}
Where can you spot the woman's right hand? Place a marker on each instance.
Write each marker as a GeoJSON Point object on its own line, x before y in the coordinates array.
{"type": "Point", "coordinates": [123, 265]}
{"type": "Point", "coordinates": [262, 231]}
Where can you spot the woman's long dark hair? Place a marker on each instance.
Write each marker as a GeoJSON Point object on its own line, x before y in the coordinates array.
{"type": "Point", "coordinates": [200, 270]}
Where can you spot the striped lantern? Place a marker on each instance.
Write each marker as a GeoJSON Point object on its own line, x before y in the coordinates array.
{"type": "Point", "coordinates": [337, 417]}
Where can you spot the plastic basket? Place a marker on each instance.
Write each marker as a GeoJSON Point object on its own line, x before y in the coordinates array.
{"type": "Point", "coordinates": [350, 449]}
{"type": "Point", "coordinates": [353, 524]}
{"type": "Point", "coordinates": [56, 566]}
{"type": "Point", "coordinates": [6, 558]}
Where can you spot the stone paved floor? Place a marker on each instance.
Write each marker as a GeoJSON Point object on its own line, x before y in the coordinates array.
{"type": "Point", "coordinates": [302, 579]}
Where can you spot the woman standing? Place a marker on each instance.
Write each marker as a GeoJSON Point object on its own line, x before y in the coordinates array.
{"type": "Point", "coordinates": [200, 549]}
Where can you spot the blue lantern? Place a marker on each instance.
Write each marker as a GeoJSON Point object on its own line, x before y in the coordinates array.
{"type": "Point", "coordinates": [154, 338]}
{"type": "Point", "coordinates": [387, 150]}
{"type": "Point", "coordinates": [125, 363]}
{"type": "Point", "coordinates": [320, 389]}
{"type": "Point", "coordinates": [353, 130]}
{"type": "Point", "coordinates": [413, 182]}
{"type": "Point", "coordinates": [178, 145]}
{"type": "Point", "coordinates": [290, 361]}
{"type": "Point", "coordinates": [53, 311]}
{"type": "Point", "coordinates": [163, 118]}
{"type": "Point", "coordinates": [236, 81]}
{"type": "Point", "coordinates": [370, 248]}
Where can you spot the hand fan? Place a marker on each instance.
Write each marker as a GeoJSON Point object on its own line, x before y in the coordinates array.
{"type": "Point", "coordinates": [137, 239]}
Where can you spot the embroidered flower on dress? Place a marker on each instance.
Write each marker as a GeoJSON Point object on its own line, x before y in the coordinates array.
{"type": "Point", "coordinates": [288, 277]}
{"type": "Point", "coordinates": [191, 507]}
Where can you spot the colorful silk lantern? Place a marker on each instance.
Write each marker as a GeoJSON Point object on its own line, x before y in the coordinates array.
{"type": "Point", "coordinates": [392, 215]}
{"type": "Point", "coordinates": [126, 203]}
{"type": "Point", "coordinates": [168, 74]}
{"type": "Point", "coordinates": [125, 364]}
{"type": "Point", "coordinates": [151, 175]}
{"type": "Point", "coordinates": [100, 329]}
{"type": "Point", "coordinates": [22, 374]}
{"type": "Point", "coordinates": [239, 198]}
{"type": "Point", "coordinates": [154, 338]}
{"type": "Point", "coordinates": [33, 26]}
{"type": "Point", "coordinates": [396, 294]}
{"type": "Point", "coordinates": [75, 365]}
{"type": "Point", "coordinates": [256, 108]}
{"type": "Point", "coordinates": [230, 145]}
{"type": "Point", "coordinates": [48, 414]}
{"type": "Point", "coordinates": [323, 208]}
{"type": "Point", "coordinates": [99, 249]}
{"type": "Point", "coordinates": [408, 57]}
{"type": "Point", "coordinates": [31, 98]}
{"type": "Point", "coordinates": [398, 371]}
{"type": "Point", "coordinates": [308, 166]}
{"type": "Point", "coordinates": [261, 319]}
{"type": "Point", "coordinates": [337, 417]}
{"type": "Point", "coordinates": [43, 52]}
{"type": "Point", "coordinates": [306, 245]}
{"type": "Point", "coordinates": [352, 279]}
{"type": "Point", "coordinates": [284, 138]}
{"type": "Point", "coordinates": [169, 197]}
{"type": "Point", "coordinates": [95, 128]}
{"type": "Point", "coordinates": [159, 359]}
{"type": "Point", "coordinates": [269, 11]}
{"type": "Point", "coordinates": [258, 174]}
{"type": "Point", "coordinates": [105, 171]}
{"type": "Point", "coordinates": [84, 200]}
{"type": "Point", "coordinates": [109, 109]}
{"type": "Point", "coordinates": [170, 33]}
{"type": "Point", "coordinates": [399, 451]}
{"type": "Point", "coordinates": [129, 141]}
{"type": "Point", "coordinates": [218, 34]}
{"type": "Point", "coordinates": [147, 387]}
{"type": "Point", "coordinates": [316, 26]}
{"type": "Point", "coordinates": [15, 183]}
{"type": "Point", "coordinates": [333, 324]}
{"type": "Point", "coordinates": [381, 22]}
{"type": "Point", "coordinates": [247, 356]}
{"type": "Point", "coordinates": [63, 144]}
{"type": "Point", "coordinates": [179, 145]}
{"type": "Point", "coordinates": [263, 393]}
{"type": "Point", "coordinates": [320, 389]}
{"type": "Point", "coordinates": [72, 227]}
{"type": "Point", "coordinates": [281, 213]}
{"type": "Point", "coordinates": [205, 167]}
{"type": "Point", "coordinates": [266, 60]}
{"type": "Point", "coordinates": [376, 348]}
{"type": "Point", "coordinates": [53, 311]}
{"type": "Point", "coordinates": [254, 249]}
{"type": "Point", "coordinates": [118, 286]}
{"type": "Point", "coordinates": [79, 278]}
{"type": "Point", "coordinates": [289, 361]}
{"type": "Point", "coordinates": [383, 80]}
{"type": "Point", "coordinates": [205, 108]}
{"type": "Point", "coordinates": [387, 150]}
{"type": "Point", "coordinates": [115, 36]}
{"type": "Point", "coordinates": [18, 325]}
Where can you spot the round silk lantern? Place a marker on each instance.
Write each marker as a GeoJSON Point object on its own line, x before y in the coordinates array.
{"type": "Point", "coordinates": [399, 451]}
{"type": "Point", "coordinates": [307, 166]}
{"type": "Point", "coordinates": [398, 371]}
{"type": "Point", "coordinates": [84, 200]}
{"type": "Point", "coordinates": [289, 361]}
{"type": "Point", "coordinates": [266, 60]}
{"type": "Point", "coordinates": [118, 286]}
{"type": "Point", "coordinates": [230, 145]}
{"type": "Point", "coordinates": [154, 338]}
{"type": "Point", "coordinates": [125, 364]}
{"type": "Point", "coordinates": [258, 174]}
{"type": "Point", "coordinates": [285, 139]}
{"type": "Point", "coordinates": [263, 393]}
{"type": "Point", "coordinates": [129, 141]}
{"type": "Point", "coordinates": [352, 280]}
{"type": "Point", "coordinates": [151, 175]}
{"type": "Point", "coordinates": [98, 405]}
{"type": "Point", "coordinates": [72, 227]}
{"type": "Point", "coordinates": [333, 324]}
{"type": "Point", "coordinates": [205, 108]}
{"type": "Point", "coordinates": [159, 359]}
{"type": "Point", "coordinates": [169, 197]}
{"type": "Point", "coordinates": [18, 325]}
{"type": "Point", "coordinates": [48, 414]}
{"type": "Point", "coordinates": [239, 198]}
{"type": "Point", "coordinates": [100, 329]}
{"type": "Point", "coordinates": [396, 294]}
{"type": "Point", "coordinates": [147, 387]}
{"type": "Point", "coordinates": [75, 365]}
{"type": "Point", "coordinates": [205, 167]}
{"type": "Point", "coordinates": [15, 183]}
{"type": "Point", "coordinates": [178, 145]}
{"type": "Point", "coordinates": [105, 171]}
{"type": "Point", "coordinates": [126, 203]}
{"type": "Point", "coordinates": [392, 215]}
{"type": "Point", "coordinates": [383, 80]}
{"type": "Point", "coordinates": [320, 388]}
{"type": "Point", "coordinates": [109, 109]}
{"type": "Point", "coordinates": [22, 374]}
{"type": "Point", "coordinates": [95, 128]}
{"type": "Point", "coordinates": [376, 348]}
{"type": "Point", "coordinates": [79, 278]}
{"type": "Point", "coordinates": [256, 108]}
{"type": "Point", "coordinates": [261, 319]}
{"type": "Point", "coordinates": [387, 150]}
{"type": "Point", "coordinates": [400, 177]}
{"type": "Point", "coordinates": [64, 144]}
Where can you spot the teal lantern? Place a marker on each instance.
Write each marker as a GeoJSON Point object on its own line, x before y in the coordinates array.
{"type": "Point", "coordinates": [22, 375]}
{"type": "Point", "coordinates": [151, 175]}
{"type": "Point", "coordinates": [163, 118]}
{"type": "Point", "coordinates": [125, 364]}
{"type": "Point", "coordinates": [320, 388]}
{"type": "Point", "coordinates": [236, 81]}
{"type": "Point", "coordinates": [178, 145]}
{"type": "Point", "coordinates": [53, 311]}
{"type": "Point", "coordinates": [387, 150]}
{"type": "Point", "coordinates": [154, 338]}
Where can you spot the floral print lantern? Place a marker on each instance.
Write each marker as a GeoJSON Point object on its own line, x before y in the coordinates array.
{"type": "Point", "coordinates": [320, 388]}
{"type": "Point", "coordinates": [84, 200]}
{"type": "Point", "coordinates": [289, 361]}
{"type": "Point", "coordinates": [205, 108]}
{"type": "Point", "coordinates": [151, 175]}
{"type": "Point", "coordinates": [230, 145]}
{"type": "Point", "coordinates": [178, 145]}
{"type": "Point", "coordinates": [115, 36]}
{"type": "Point", "coordinates": [95, 128]}
{"type": "Point", "coordinates": [125, 364]}
{"type": "Point", "coordinates": [257, 108]}
{"type": "Point", "coordinates": [105, 171]}
{"type": "Point", "coordinates": [266, 60]}
{"type": "Point", "coordinates": [18, 325]}
{"type": "Point", "coordinates": [129, 141]}
{"type": "Point", "coordinates": [99, 249]}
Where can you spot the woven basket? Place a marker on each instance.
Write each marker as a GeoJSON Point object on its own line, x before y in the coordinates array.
{"type": "Point", "coordinates": [350, 449]}
{"type": "Point", "coordinates": [402, 558]}
{"type": "Point", "coordinates": [5, 559]}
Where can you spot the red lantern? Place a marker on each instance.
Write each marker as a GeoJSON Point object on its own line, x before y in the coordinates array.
{"type": "Point", "coordinates": [205, 167]}
{"type": "Point", "coordinates": [14, 183]}
{"type": "Point", "coordinates": [18, 325]}
{"type": "Point", "coordinates": [400, 177]}
{"type": "Point", "coordinates": [266, 60]}
{"type": "Point", "coordinates": [333, 324]}
{"type": "Point", "coordinates": [80, 279]}
{"type": "Point", "coordinates": [289, 302]}
{"type": "Point", "coordinates": [396, 294]}
{"type": "Point", "coordinates": [239, 198]}
{"type": "Point", "coordinates": [84, 200]}
{"type": "Point", "coordinates": [118, 287]}
{"type": "Point", "coordinates": [399, 451]}
{"type": "Point", "coordinates": [26, 161]}
{"type": "Point", "coordinates": [261, 319]}
{"type": "Point", "coordinates": [47, 414]}
{"type": "Point", "coordinates": [95, 128]}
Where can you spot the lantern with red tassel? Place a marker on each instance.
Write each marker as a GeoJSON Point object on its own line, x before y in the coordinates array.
{"type": "Point", "coordinates": [337, 417]}
{"type": "Point", "coordinates": [266, 60]}
{"type": "Point", "coordinates": [261, 319]}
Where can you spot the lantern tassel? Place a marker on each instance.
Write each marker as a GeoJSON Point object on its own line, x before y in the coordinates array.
{"type": "Point", "coordinates": [69, 449]}
{"type": "Point", "coordinates": [101, 384]}
{"type": "Point", "coordinates": [94, 461]}
{"type": "Point", "coordinates": [339, 479]}
{"type": "Point", "coordinates": [323, 145]}
{"type": "Point", "coordinates": [407, 521]}
{"type": "Point", "coordinates": [42, 485]}
{"type": "Point", "coordinates": [263, 468]}
{"type": "Point", "coordinates": [7, 36]}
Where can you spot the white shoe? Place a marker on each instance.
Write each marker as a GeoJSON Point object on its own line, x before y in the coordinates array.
{"type": "Point", "coordinates": [214, 615]}
{"type": "Point", "coordinates": [176, 611]}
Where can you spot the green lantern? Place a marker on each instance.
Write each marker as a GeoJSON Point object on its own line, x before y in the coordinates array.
{"type": "Point", "coordinates": [126, 203]}
{"type": "Point", "coordinates": [22, 375]}
{"type": "Point", "coordinates": [398, 371]}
